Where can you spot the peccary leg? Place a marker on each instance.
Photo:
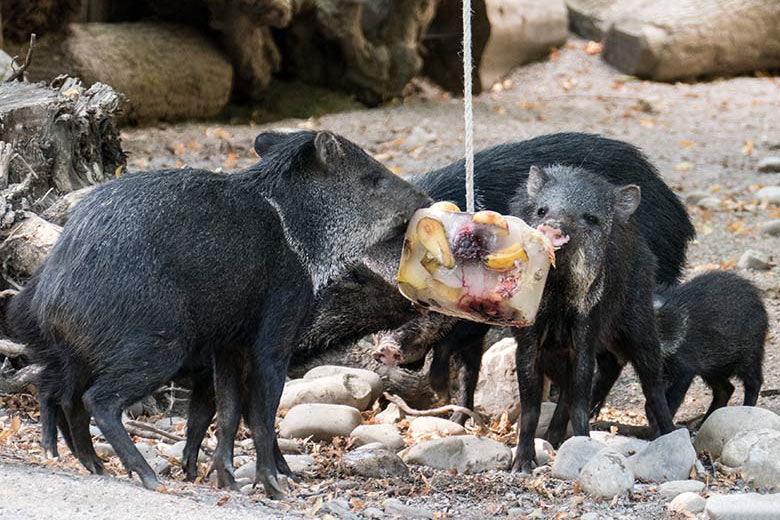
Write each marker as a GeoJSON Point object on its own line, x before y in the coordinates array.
{"type": "Point", "coordinates": [556, 430]}
{"type": "Point", "coordinates": [124, 383]}
{"type": "Point", "coordinates": [227, 384]}
{"type": "Point", "coordinates": [607, 373]}
{"type": "Point", "coordinates": [675, 394]}
{"type": "Point", "coordinates": [64, 427]}
{"type": "Point", "coordinates": [49, 420]}
{"type": "Point", "coordinates": [582, 382]}
{"type": "Point", "coordinates": [471, 338]}
{"type": "Point", "coordinates": [439, 373]}
{"type": "Point", "coordinates": [78, 419]}
{"type": "Point", "coordinates": [643, 342]}
{"type": "Point", "coordinates": [721, 393]}
{"type": "Point", "coordinates": [529, 380]}
{"type": "Point", "coordinates": [752, 384]}
{"type": "Point", "coordinates": [201, 412]}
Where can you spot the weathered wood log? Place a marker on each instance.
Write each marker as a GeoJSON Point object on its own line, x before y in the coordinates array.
{"type": "Point", "coordinates": [11, 349]}
{"type": "Point", "coordinates": [370, 50]}
{"type": "Point", "coordinates": [66, 135]}
{"type": "Point", "coordinates": [59, 212]}
{"type": "Point", "coordinates": [165, 71]}
{"type": "Point", "coordinates": [681, 39]}
{"type": "Point", "coordinates": [26, 247]}
{"type": "Point", "coordinates": [23, 380]}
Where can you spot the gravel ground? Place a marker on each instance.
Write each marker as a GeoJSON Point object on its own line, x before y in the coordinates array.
{"type": "Point", "coordinates": [705, 137]}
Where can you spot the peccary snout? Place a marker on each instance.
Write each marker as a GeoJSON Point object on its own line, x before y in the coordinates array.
{"type": "Point", "coordinates": [555, 231]}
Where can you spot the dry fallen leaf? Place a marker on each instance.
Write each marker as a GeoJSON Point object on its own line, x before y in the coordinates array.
{"type": "Point", "coordinates": [686, 144]}
{"type": "Point", "coordinates": [11, 430]}
{"type": "Point", "coordinates": [222, 501]}
{"type": "Point", "coordinates": [231, 160]}
{"type": "Point", "coordinates": [747, 148]}
{"type": "Point", "coordinates": [684, 166]}
{"type": "Point", "coordinates": [593, 48]}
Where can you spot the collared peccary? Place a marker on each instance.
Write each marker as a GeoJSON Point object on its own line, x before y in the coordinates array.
{"type": "Point", "coordinates": [156, 270]}
{"type": "Point", "coordinates": [713, 326]}
{"type": "Point", "coordinates": [599, 298]}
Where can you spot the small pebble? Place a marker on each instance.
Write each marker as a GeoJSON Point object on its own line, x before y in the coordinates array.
{"type": "Point", "coordinates": [688, 501]}
{"type": "Point", "coordinates": [771, 227]}
{"type": "Point", "coordinates": [754, 260]}
{"type": "Point", "coordinates": [393, 506]}
{"type": "Point", "coordinates": [769, 165]}
{"type": "Point", "coordinates": [248, 489]}
{"type": "Point", "coordinates": [709, 203]}
{"type": "Point", "coordinates": [373, 513]}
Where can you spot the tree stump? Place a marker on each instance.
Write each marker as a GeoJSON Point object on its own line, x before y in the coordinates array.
{"type": "Point", "coordinates": [368, 48]}
{"type": "Point", "coordinates": [671, 40]}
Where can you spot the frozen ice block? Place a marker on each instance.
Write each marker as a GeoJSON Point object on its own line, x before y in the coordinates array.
{"type": "Point", "coordinates": [480, 266]}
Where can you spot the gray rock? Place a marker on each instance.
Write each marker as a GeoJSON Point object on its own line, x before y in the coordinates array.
{"type": "Point", "coordinates": [434, 425]}
{"type": "Point", "coordinates": [160, 465]}
{"type": "Point", "coordinates": [320, 421]}
{"type": "Point", "coordinates": [149, 451]}
{"type": "Point", "coordinates": [709, 203]}
{"type": "Point", "coordinates": [464, 453]}
{"type": "Point", "coordinates": [669, 457]}
{"type": "Point", "coordinates": [770, 194]}
{"type": "Point", "coordinates": [390, 415]}
{"type": "Point", "coordinates": [626, 446]}
{"type": "Point", "coordinates": [340, 509]}
{"type": "Point", "coordinates": [590, 516]}
{"type": "Point", "coordinates": [387, 434]}
{"type": "Point", "coordinates": [675, 487]}
{"type": "Point", "coordinates": [769, 165]}
{"type": "Point", "coordinates": [94, 431]}
{"type": "Point", "coordinates": [606, 474]}
{"type": "Point", "coordinates": [244, 481]}
{"type": "Point", "coordinates": [762, 467]}
{"type": "Point", "coordinates": [300, 463]}
{"type": "Point", "coordinates": [368, 376]}
{"type": "Point", "coordinates": [771, 227]}
{"type": "Point", "coordinates": [743, 506]}
{"type": "Point", "coordinates": [545, 416]}
{"type": "Point", "coordinates": [172, 423]}
{"type": "Point", "coordinates": [177, 451]}
{"type": "Point", "coordinates": [345, 389]}
{"type": "Point", "coordinates": [726, 422]}
{"type": "Point", "coordinates": [688, 501]}
{"type": "Point", "coordinates": [5, 65]}
{"type": "Point", "coordinates": [104, 449]}
{"type": "Point", "coordinates": [737, 449]}
{"type": "Point", "coordinates": [373, 513]}
{"type": "Point", "coordinates": [246, 471]}
{"type": "Point", "coordinates": [754, 260]}
{"type": "Point", "coordinates": [496, 390]}
{"type": "Point", "coordinates": [395, 507]}
{"type": "Point", "coordinates": [135, 409]}
{"type": "Point", "coordinates": [544, 451]}
{"type": "Point", "coordinates": [376, 461]}
{"type": "Point", "coordinates": [573, 455]}
{"type": "Point", "coordinates": [247, 489]}
{"type": "Point", "coordinates": [288, 446]}
{"type": "Point", "coordinates": [695, 196]}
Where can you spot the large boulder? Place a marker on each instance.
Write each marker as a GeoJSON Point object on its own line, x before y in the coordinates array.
{"type": "Point", "coordinates": [372, 378]}
{"type": "Point", "coordinates": [726, 422]}
{"type": "Point", "coordinates": [496, 390]}
{"type": "Point", "coordinates": [669, 457]}
{"type": "Point", "coordinates": [463, 453]}
{"type": "Point", "coordinates": [606, 474]}
{"type": "Point", "coordinates": [343, 389]}
{"type": "Point", "coordinates": [321, 422]}
{"type": "Point", "coordinates": [573, 455]}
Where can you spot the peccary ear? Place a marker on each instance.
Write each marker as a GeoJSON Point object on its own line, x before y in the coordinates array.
{"type": "Point", "coordinates": [268, 140]}
{"type": "Point", "coordinates": [536, 179]}
{"type": "Point", "coordinates": [626, 201]}
{"type": "Point", "coordinates": [329, 151]}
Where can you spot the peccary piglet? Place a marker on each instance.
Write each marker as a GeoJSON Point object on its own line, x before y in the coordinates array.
{"type": "Point", "coordinates": [155, 272]}
{"type": "Point", "coordinates": [600, 297]}
{"type": "Point", "coordinates": [713, 326]}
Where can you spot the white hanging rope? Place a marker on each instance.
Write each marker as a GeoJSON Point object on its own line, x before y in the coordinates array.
{"type": "Point", "coordinates": [468, 115]}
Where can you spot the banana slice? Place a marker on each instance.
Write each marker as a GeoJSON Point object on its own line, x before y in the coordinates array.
{"type": "Point", "coordinates": [492, 218]}
{"type": "Point", "coordinates": [446, 205]}
{"type": "Point", "coordinates": [443, 293]}
{"type": "Point", "coordinates": [434, 238]}
{"type": "Point", "coordinates": [505, 258]}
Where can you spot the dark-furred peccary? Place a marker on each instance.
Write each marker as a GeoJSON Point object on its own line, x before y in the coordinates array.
{"type": "Point", "coordinates": [599, 298]}
{"type": "Point", "coordinates": [713, 326]}
{"type": "Point", "coordinates": [155, 271]}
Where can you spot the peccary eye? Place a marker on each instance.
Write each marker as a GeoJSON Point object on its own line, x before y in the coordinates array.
{"type": "Point", "coordinates": [593, 220]}
{"type": "Point", "coordinates": [541, 212]}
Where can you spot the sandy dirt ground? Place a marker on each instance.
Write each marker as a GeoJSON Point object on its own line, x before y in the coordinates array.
{"type": "Point", "coordinates": [704, 137]}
